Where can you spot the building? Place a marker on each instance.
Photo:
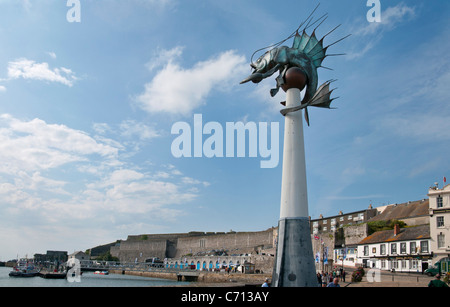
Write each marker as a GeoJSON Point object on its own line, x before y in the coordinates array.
{"type": "Point", "coordinates": [80, 256]}
{"type": "Point", "coordinates": [403, 250]}
{"type": "Point", "coordinates": [333, 223]}
{"type": "Point", "coordinates": [51, 256]}
{"type": "Point", "coordinates": [413, 213]}
{"type": "Point", "coordinates": [331, 241]}
{"type": "Point", "coordinates": [439, 211]}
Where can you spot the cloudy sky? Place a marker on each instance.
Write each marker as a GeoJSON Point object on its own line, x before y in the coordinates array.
{"type": "Point", "coordinates": [88, 100]}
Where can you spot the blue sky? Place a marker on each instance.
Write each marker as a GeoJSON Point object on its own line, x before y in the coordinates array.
{"type": "Point", "coordinates": [86, 111]}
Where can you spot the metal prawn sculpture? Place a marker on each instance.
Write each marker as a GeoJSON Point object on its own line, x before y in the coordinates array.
{"type": "Point", "coordinates": [306, 53]}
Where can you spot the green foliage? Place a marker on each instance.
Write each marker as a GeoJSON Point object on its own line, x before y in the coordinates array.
{"type": "Point", "coordinates": [384, 225]}
{"type": "Point", "coordinates": [107, 257]}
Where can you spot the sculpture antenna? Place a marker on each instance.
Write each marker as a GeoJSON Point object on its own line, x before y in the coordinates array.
{"type": "Point", "coordinates": [291, 35]}
{"type": "Point", "coordinates": [306, 54]}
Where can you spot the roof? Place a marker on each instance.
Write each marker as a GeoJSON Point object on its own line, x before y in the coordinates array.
{"type": "Point", "coordinates": [78, 253]}
{"type": "Point", "coordinates": [406, 234]}
{"type": "Point", "coordinates": [403, 211]}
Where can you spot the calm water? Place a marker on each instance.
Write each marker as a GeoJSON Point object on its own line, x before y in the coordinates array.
{"type": "Point", "coordinates": [88, 279]}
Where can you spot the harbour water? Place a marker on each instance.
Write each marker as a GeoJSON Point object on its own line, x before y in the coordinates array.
{"type": "Point", "coordinates": [88, 279]}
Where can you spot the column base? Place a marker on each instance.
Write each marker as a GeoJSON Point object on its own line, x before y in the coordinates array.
{"type": "Point", "coordinates": [294, 262]}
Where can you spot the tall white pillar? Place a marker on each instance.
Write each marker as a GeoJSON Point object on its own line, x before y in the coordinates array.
{"type": "Point", "coordinates": [294, 194]}
{"type": "Point", "coordinates": [294, 263]}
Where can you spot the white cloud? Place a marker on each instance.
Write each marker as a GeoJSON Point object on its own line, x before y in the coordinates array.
{"type": "Point", "coordinates": [54, 175]}
{"type": "Point", "coordinates": [35, 145]}
{"type": "Point", "coordinates": [390, 18]}
{"type": "Point", "coordinates": [52, 54]}
{"type": "Point", "coordinates": [177, 90]}
{"type": "Point", "coordinates": [130, 128]}
{"type": "Point", "coordinates": [163, 56]}
{"type": "Point", "coordinates": [2, 88]}
{"type": "Point", "coordinates": [370, 33]}
{"type": "Point", "coordinates": [29, 69]}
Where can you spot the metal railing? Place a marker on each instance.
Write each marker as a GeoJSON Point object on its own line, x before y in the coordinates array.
{"type": "Point", "coordinates": [130, 266]}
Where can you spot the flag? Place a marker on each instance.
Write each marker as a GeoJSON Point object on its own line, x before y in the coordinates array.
{"type": "Point", "coordinates": [317, 257]}
{"type": "Point", "coordinates": [445, 180]}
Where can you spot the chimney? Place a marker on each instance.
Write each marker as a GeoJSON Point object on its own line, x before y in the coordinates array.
{"type": "Point", "coordinates": [396, 229]}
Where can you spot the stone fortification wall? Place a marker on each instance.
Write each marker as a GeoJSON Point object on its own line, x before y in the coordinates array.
{"type": "Point", "coordinates": [143, 247]}
{"type": "Point", "coordinates": [354, 234]}
{"type": "Point", "coordinates": [140, 250]}
{"type": "Point", "coordinates": [234, 243]}
{"type": "Point", "coordinates": [169, 236]}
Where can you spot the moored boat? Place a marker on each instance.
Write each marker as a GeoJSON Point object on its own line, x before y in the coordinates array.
{"type": "Point", "coordinates": [24, 268]}
{"type": "Point", "coordinates": [52, 275]}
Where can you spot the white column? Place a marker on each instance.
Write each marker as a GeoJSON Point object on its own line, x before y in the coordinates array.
{"type": "Point", "coordinates": [294, 196]}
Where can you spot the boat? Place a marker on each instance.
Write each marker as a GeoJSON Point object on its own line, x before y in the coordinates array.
{"type": "Point", "coordinates": [24, 268]}
{"type": "Point", "coordinates": [101, 272]}
{"type": "Point", "coordinates": [52, 275]}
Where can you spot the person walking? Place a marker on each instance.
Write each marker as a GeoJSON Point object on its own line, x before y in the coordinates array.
{"type": "Point", "coordinates": [324, 279]}
{"type": "Point", "coordinates": [437, 282]}
{"type": "Point", "coordinates": [334, 284]}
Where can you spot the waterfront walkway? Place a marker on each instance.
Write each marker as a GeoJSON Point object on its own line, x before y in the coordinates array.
{"type": "Point", "coordinates": [389, 279]}
{"type": "Point", "coordinates": [380, 278]}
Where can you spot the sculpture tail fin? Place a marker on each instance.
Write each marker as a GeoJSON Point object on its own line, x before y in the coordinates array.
{"type": "Point", "coordinates": [321, 98]}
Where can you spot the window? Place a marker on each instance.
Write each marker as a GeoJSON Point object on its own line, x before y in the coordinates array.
{"type": "Point", "coordinates": [441, 241]}
{"type": "Point", "coordinates": [404, 264]}
{"type": "Point", "coordinates": [350, 217]}
{"type": "Point", "coordinates": [366, 250]}
{"type": "Point", "coordinates": [324, 222]}
{"type": "Point", "coordinates": [440, 221]}
{"type": "Point", "coordinates": [412, 248]}
{"type": "Point", "coordinates": [424, 246]}
{"type": "Point", "coordinates": [394, 264]}
{"type": "Point", "coordinates": [394, 248]}
{"type": "Point", "coordinates": [361, 216]}
{"type": "Point", "coordinates": [403, 248]}
{"type": "Point", "coordinates": [333, 221]}
{"type": "Point", "coordinates": [439, 201]}
{"type": "Point", "coordinates": [383, 263]}
{"type": "Point", "coordinates": [341, 219]}
{"type": "Point", "coordinates": [383, 249]}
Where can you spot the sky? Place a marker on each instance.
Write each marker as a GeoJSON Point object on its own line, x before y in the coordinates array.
{"type": "Point", "coordinates": [91, 92]}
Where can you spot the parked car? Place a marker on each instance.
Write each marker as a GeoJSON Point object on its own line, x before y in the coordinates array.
{"type": "Point", "coordinates": [442, 266]}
